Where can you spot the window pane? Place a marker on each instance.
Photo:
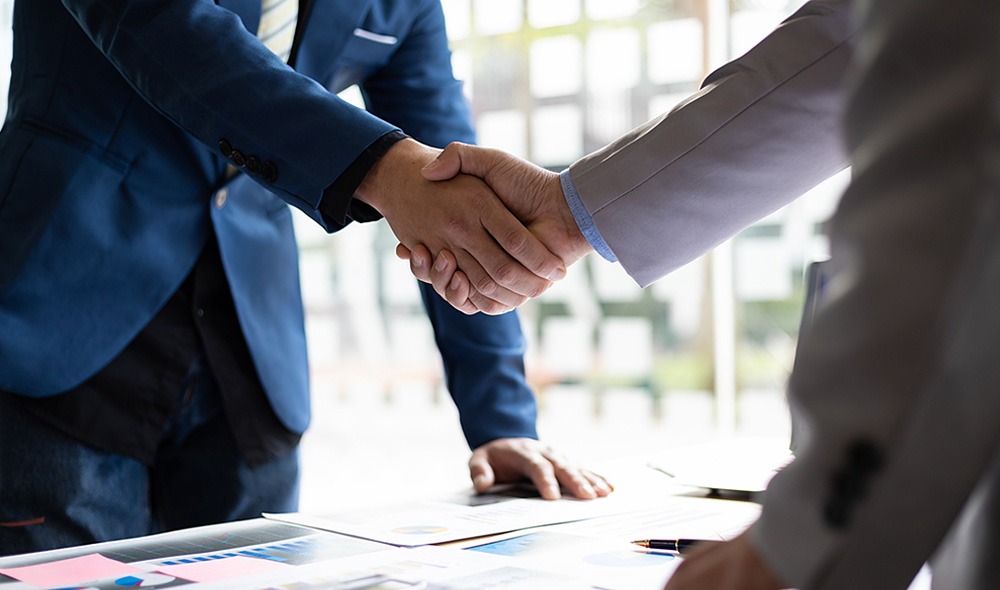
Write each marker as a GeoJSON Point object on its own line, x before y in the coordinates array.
{"type": "Point", "coordinates": [551, 13]}
{"type": "Point", "coordinates": [556, 135]}
{"type": "Point", "coordinates": [495, 17]}
{"type": "Point", "coordinates": [675, 51]}
{"type": "Point", "coordinates": [458, 15]}
{"type": "Point", "coordinates": [613, 59]}
{"type": "Point", "coordinates": [555, 66]}
{"type": "Point", "coordinates": [505, 130]}
{"type": "Point", "coordinates": [604, 9]}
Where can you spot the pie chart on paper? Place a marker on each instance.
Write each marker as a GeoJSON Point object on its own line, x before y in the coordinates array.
{"type": "Point", "coordinates": [144, 580]}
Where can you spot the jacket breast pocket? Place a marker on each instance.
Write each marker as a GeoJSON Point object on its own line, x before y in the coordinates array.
{"type": "Point", "coordinates": [364, 53]}
{"type": "Point", "coordinates": [366, 48]}
{"type": "Point", "coordinates": [49, 168]}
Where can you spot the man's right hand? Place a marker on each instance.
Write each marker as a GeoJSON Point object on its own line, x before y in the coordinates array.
{"type": "Point", "coordinates": [531, 193]}
{"type": "Point", "coordinates": [504, 262]}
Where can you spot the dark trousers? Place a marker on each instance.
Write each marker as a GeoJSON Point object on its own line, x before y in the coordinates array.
{"type": "Point", "coordinates": [57, 492]}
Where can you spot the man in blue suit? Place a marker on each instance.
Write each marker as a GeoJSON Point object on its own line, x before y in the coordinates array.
{"type": "Point", "coordinates": [152, 356]}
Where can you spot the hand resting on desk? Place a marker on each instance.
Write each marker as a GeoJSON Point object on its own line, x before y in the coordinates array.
{"type": "Point", "coordinates": [507, 460]}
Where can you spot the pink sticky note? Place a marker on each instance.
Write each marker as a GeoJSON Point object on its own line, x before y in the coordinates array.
{"type": "Point", "coordinates": [66, 572]}
{"type": "Point", "coordinates": [226, 568]}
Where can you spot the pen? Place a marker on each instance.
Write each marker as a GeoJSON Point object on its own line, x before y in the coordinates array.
{"type": "Point", "coordinates": [681, 546]}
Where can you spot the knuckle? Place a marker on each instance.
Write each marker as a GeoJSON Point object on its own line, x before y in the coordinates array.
{"type": "Point", "coordinates": [455, 225]}
{"type": "Point", "coordinates": [515, 241]}
{"type": "Point", "coordinates": [488, 306]}
{"type": "Point", "coordinates": [537, 289]}
{"type": "Point", "coordinates": [506, 275]}
{"type": "Point", "coordinates": [419, 272]}
{"type": "Point", "coordinates": [486, 286]}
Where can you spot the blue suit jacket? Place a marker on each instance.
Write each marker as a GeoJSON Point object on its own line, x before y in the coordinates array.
{"type": "Point", "coordinates": [110, 156]}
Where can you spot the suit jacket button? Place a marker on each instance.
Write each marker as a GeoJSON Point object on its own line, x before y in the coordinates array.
{"type": "Point", "coordinates": [238, 158]}
{"type": "Point", "coordinates": [269, 171]}
{"type": "Point", "coordinates": [865, 456]}
{"type": "Point", "coordinates": [225, 148]}
{"type": "Point", "coordinates": [253, 165]}
{"type": "Point", "coordinates": [220, 198]}
{"type": "Point", "coordinates": [848, 484]}
{"type": "Point", "coordinates": [836, 513]}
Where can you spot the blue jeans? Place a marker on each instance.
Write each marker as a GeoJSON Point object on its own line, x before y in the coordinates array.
{"type": "Point", "coordinates": [57, 492]}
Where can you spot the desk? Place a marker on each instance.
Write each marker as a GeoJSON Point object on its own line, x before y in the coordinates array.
{"type": "Point", "coordinates": [269, 554]}
{"type": "Point", "coordinates": [588, 553]}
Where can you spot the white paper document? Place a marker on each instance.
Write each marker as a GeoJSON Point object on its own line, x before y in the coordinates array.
{"type": "Point", "coordinates": [601, 552]}
{"type": "Point", "coordinates": [429, 522]}
{"type": "Point", "coordinates": [741, 464]}
{"type": "Point", "coordinates": [403, 568]}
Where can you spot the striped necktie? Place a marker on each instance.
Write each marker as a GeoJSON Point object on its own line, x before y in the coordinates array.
{"type": "Point", "coordinates": [277, 25]}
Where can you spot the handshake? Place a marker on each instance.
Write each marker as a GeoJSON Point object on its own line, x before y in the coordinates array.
{"type": "Point", "coordinates": [486, 229]}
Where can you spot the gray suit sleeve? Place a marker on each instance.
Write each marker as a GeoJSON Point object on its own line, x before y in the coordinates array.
{"type": "Point", "coordinates": [762, 131]}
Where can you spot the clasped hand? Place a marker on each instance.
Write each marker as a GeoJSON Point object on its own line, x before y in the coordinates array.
{"type": "Point", "coordinates": [503, 263]}
{"type": "Point", "coordinates": [531, 194]}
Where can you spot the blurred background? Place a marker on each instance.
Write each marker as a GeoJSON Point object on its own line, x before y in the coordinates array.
{"type": "Point", "coordinates": [701, 355]}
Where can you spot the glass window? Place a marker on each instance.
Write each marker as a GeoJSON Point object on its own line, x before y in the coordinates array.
{"type": "Point", "coordinates": [609, 9]}
{"type": "Point", "coordinates": [676, 52]}
{"type": "Point", "coordinates": [494, 17]}
{"type": "Point", "coordinates": [505, 130]}
{"type": "Point", "coordinates": [613, 59]}
{"type": "Point", "coordinates": [458, 18]}
{"type": "Point", "coordinates": [552, 13]}
{"type": "Point", "coordinates": [556, 135]}
{"type": "Point", "coordinates": [555, 66]}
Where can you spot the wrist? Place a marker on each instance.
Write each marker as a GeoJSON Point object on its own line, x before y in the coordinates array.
{"type": "Point", "coordinates": [582, 218]}
{"type": "Point", "coordinates": [576, 240]}
{"type": "Point", "coordinates": [403, 160]}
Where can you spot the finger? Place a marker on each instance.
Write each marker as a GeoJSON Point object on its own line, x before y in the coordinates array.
{"type": "Point", "coordinates": [570, 477]}
{"type": "Point", "coordinates": [447, 165]}
{"type": "Point", "coordinates": [522, 246]}
{"type": "Point", "coordinates": [601, 485]}
{"type": "Point", "coordinates": [442, 272]}
{"type": "Point", "coordinates": [450, 282]}
{"type": "Point", "coordinates": [420, 261]}
{"type": "Point", "coordinates": [542, 474]}
{"type": "Point", "coordinates": [512, 236]}
{"type": "Point", "coordinates": [460, 293]}
{"type": "Point", "coordinates": [402, 252]}
{"type": "Point", "coordinates": [503, 268]}
{"type": "Point", "coordinates": [459, 289]}
{"type": "Point", "coordinates": [537, 467]}
{"type": "Point", "coordinates": [488, 306]}
{"type": "Point", "coordinates": [463, 158]}
{"type": "Point", "coordinates": [481, 471]}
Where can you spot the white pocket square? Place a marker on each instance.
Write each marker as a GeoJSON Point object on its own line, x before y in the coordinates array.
{"type": "Point", "coordinates": [383, 39]}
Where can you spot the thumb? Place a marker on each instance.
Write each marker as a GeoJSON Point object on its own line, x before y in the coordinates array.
{"type": "Point", "coordinates": [463, 158]}
{"type": "Point", "coordinates": [481, 472]}
{"type": "Point", "coordinates": [447, 165]}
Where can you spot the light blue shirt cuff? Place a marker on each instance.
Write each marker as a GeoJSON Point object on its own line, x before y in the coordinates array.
{"type": "Point", "coordinates": [584, 219]}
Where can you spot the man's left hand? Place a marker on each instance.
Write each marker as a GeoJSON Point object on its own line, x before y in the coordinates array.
{"type": "Point", "coordinates": [507, 460]}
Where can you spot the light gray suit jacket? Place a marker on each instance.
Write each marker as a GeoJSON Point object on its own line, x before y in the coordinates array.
{"type": "Point", "coordinates": [898, 376]}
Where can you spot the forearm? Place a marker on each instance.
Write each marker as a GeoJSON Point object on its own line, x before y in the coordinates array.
{"type": "Point", "coordinates": [170, 52]}
{"type": "Point", "coordinates": [483, 360]}
{"type": "Point", "coordinates": [762, 131]}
